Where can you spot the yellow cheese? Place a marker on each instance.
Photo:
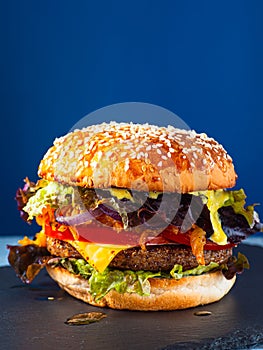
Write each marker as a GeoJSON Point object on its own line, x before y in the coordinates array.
{"type": "Point", "coordinates": [219, 235]}
{"type": "Point", "coordinates": [215, 200]}
{"type": "Point", "coordinates": [98, 256]}
{"type": "Point", "coordinates": [154, 194]}
{"type": "Point", "coordinates": [120, 193]}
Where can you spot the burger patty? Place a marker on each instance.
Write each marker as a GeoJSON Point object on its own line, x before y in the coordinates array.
{"type": "Point", "coordinates": [153, 258]}
{"type": "Point", "coordinates": [60, 248]}
{"type": "Point", "coordinates": [164, 257]}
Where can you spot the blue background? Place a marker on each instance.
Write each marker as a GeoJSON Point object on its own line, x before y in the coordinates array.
{"type": "Point", "coordinates": [61, 60]}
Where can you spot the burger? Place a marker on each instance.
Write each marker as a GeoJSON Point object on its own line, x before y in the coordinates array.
{"type": "Point", "coordinates": [135, 216]}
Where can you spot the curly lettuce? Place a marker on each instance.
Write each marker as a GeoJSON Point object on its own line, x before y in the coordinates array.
{"type": "Point", "coordinates": [53, 194]}
{"type": "Point", "coordinates": [177, 271]}
{"type": "Point", "coordinates": [102, 283]}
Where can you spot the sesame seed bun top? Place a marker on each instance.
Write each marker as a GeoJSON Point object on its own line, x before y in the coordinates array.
{"type": "Point", "coordinates": [138, 156]}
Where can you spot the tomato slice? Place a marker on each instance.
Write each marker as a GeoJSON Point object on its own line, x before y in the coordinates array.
{"type": "Point", "coordinates": [96, 234]}
{"type": "Point", "coordinates": [184, 238]}
{"type": "Point", "coordinates": [65, 235]}
{"type": "Point", "coordinates": [106, 235]}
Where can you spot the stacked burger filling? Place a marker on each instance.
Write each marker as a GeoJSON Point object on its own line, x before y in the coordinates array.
{"type": "Point", "coordinates": [160, 234]}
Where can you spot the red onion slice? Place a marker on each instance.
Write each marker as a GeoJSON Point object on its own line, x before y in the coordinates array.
{"type": "Point", "coordinates": [75, 219]}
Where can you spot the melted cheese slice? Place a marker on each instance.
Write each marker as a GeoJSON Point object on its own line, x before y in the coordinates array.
{"type": "Point", "coordinates": [219, 235]}
{"type": "Point", "coordinates": [215, 200]}
{"type": "Point", "coordinates": [122, 193]}
{"type": "Point", "coordinates": [98, 256]}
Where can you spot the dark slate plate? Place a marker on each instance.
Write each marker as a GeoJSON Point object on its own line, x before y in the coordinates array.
{"type": "Point", "coordinates": [30, 320]}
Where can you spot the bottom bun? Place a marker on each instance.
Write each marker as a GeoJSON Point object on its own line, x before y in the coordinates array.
{"type": "Point", "coordinates": [166, 294]}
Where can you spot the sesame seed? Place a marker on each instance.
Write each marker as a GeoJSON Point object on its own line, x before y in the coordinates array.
{"type": "Point", "coordinates": [79, 142]}
{"type": "Point", "coordinates": [109, 154]}
{"type": "Point", "coordinates": [168, 143]}
{"type": "Point", "coordinates": [127, 164]}
{"type": "Point", "coordinates": [71, 154]}
{"type": "Point", "coordinates": [99, 155]}
{"type": "Point", "coordinates": [93, 164]}
{"type": "Point", "coordinates": [91, 145]}
{"type": "Point", "coordinates": [148, 148]}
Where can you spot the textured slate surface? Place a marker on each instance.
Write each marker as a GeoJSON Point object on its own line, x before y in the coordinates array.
{"type": "Point", "coordinates": [33, 316]}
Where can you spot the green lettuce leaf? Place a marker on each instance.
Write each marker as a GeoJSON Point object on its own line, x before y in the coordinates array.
{"type": "Point", "coordinates": [177, 272]}
{"type": "Point", "coordinates": [121, 281]}
{"type": "Point", "coordinates": [237, 200]}
{"type": "Point", "coordinates": [76, 266]}
{"type": "Point", "coordinates": [53, 194]}
{"type": "Point", "coordinates": [101, 283]}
